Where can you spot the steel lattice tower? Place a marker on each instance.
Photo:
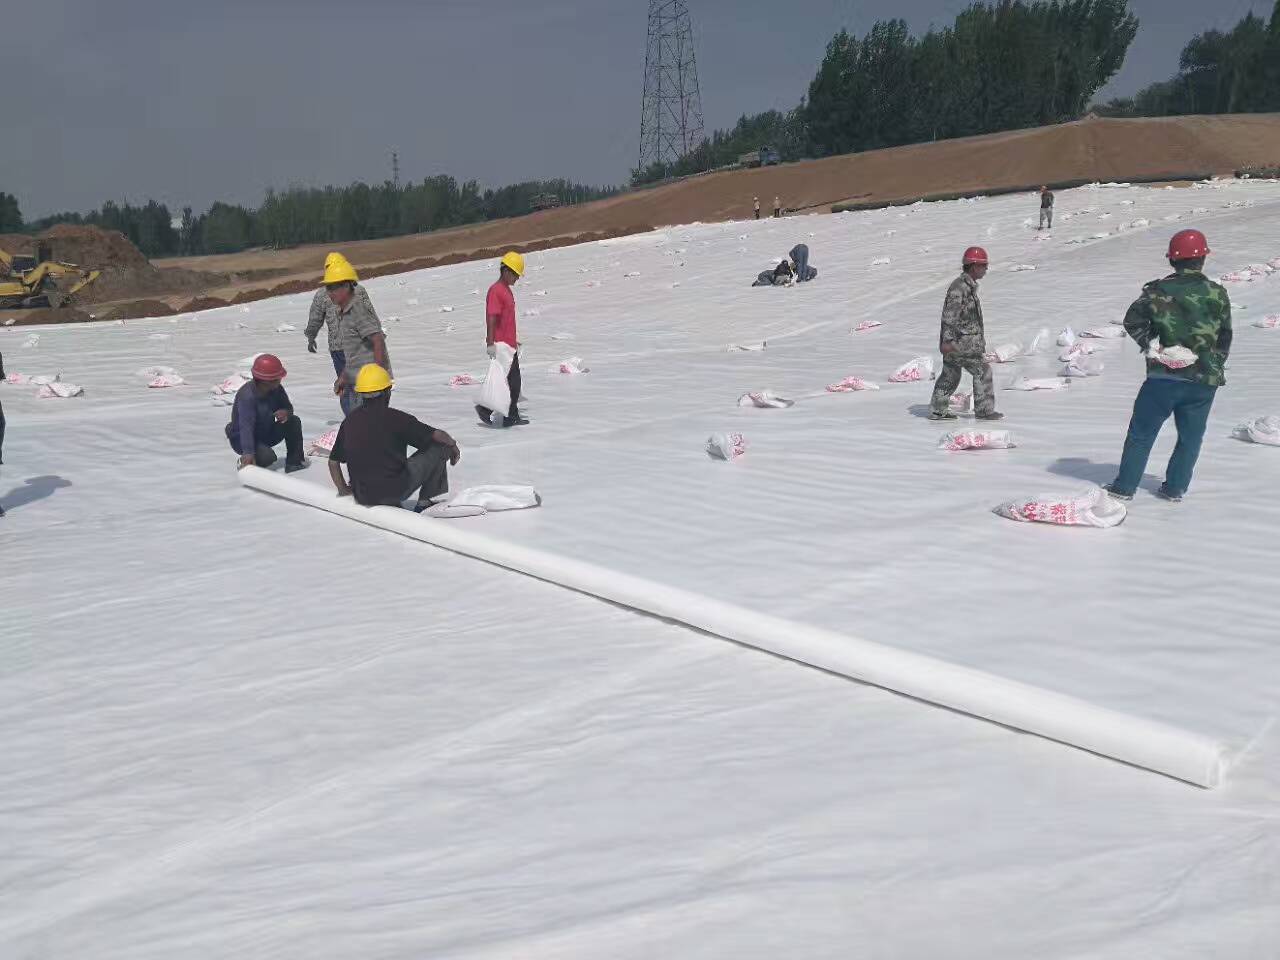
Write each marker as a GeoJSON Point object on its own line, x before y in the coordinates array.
{"type": "Point", "coordinates": [671, 115]}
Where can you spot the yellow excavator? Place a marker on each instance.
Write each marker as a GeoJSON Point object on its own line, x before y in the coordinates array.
{"type": "Point", "coordinates": [40, 281]}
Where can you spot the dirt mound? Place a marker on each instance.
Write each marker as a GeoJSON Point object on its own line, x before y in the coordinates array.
{"type": "Point", "coordinates": [137, 310]}
{"type": "Point", "coordinates": [204, 303]}
{"type": "Point", "coordinates": [17, 243]}
{"type": "Point", "coordinates": [295, 286]}
{"type": "Point", "coordinates": [92, 247]}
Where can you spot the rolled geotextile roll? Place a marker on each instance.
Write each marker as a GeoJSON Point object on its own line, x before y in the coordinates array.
{"type": "Point", "coordinates": [1068, 720]}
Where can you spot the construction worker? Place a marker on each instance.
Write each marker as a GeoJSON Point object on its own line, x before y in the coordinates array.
{"type": "Point", "coordinates": [1185, 309]}
{"type": "Point", "coordinates": [500, 327]}
{"type": "Point", "coordinates": [963, 343]}
{"type": "Point", "coordinates": [777, 207]}
{"type": "Point", "coordinates": [799, 257]}
{"type": "Point", "coordinates": [262, 416]}
{"type": "Point", "coordinates": [360, 336]}
{"type": "Point", "coordinates": [323, 313]}
{"type": "Point", "coordinates": [373, 442]}
{"type": "Point", "coordinates": [2, 376]}
{"type": "Point", "coordinates": [756, 206]}
{"type": "Point", "coordinates": [1046, 208]}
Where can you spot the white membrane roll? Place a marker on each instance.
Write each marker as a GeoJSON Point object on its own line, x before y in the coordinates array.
{"type": "Point", "coordinates": [1068, 720]}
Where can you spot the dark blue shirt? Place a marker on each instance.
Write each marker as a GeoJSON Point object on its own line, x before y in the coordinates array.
{"type": "Point", "coordinates": [252, 415]}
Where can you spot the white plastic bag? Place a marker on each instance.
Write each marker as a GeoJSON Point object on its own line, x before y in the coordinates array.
{"type": "Point", "coordinates": [1005, 353]}
{"type": "Point", "coordinates": [166, 380]}
{"type": "Point", "coordinates": [866, 325]}
{"type": "Point", "coordinates": [765, 399]}
{"type": "Point", "coordinates": [1067, 337]}
{"type": "Point", "coordinates": [573, 366]}
{"type": "Point", "coordinates": [1038, 341]}
{"type": "Point", "coordinates": [230, 386]}
{"type": "Point", "coordinates": [1259, 430]}
{"type": "Point", "coordinates": [1087, 508]}
{"type": "Point", "coordinates": [977, 440]}
{"type": "Point", "coordinates": [488, 498]}
{"type": "Point", "coordinates": [462, 380]}
{"type": "Point", "coordinates": [1104, 333]}
{"type": "Point", "coordinates": [1039, 383]}
{"type": "Point", "coordinates": [1175, 358]}
{"type": "Point", "coordinates": [851, 385]}
{"type": "Point", "coordinates": [726, 446]}
{"type": "Point", "coordinates": [921, 368]}
{"type": "Point", "coordinates": [748, 347]}
{"type": "Point", "coordinates": [1081, 348]}
{"type": "Point", "coordinates": [495, 394]}
{"type": "Point", "coordinates": [60, 390]}
{"type": "Point", "coordinates": [1082, 366]}
{"type": "Point", "coordinates": [1269, 323]}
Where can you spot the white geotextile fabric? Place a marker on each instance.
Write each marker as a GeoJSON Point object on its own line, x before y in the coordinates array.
{"type": "Point", "coordinates": [1143, 743]}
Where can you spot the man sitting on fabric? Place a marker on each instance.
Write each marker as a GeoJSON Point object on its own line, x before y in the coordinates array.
{"type": "Point", "coordinates": [262, 416]}
{"type": "Point", "coordinates": [373, 442]}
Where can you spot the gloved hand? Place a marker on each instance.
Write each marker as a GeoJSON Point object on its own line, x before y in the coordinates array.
{"type": "Point", "coordinates": [492, 350]}
{"type": "Point", "coordinates": [311, 346]}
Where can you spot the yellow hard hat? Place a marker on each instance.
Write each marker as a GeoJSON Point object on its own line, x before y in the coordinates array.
{"type": "Point", "coordinates": [372, 378]}
{"type": "Point", "coordinates": [514, 262]}
{"type": "Point", "coordinates": [337, 269]}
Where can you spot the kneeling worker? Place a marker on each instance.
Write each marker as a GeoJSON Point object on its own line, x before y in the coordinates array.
{"type": "Point", "coordinates": [262, 416]}
{"type": "Point", "coordinates": [373, 443]}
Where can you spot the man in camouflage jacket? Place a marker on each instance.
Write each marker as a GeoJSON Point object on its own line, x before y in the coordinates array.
{"type": "Point", "coordinates": [963, 343]}
{"type": "Point", "coordinates": [1188, 310]}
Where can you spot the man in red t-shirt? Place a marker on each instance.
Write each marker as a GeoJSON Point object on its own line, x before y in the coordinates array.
{"type": "Point", "coordinates": [500, 327]}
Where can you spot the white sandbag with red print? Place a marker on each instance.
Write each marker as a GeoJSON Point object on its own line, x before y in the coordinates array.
{"type": "Point", "coordinates": [921, 368]}
{"type": "Point", "coordinates": [765, 399]}
{"type": "Point", "coordinates": [726, 446]}
{"type": "Point", "coordinates": [851, 385]}
{"type": "Point", "coordinates": [1175, 358]}
{"type": "Point", "coordinates": [322, 445]}
{"type": "Point", "coordinates": [1264, 430]}
{"type": "Point", "coordinates": [1090, 507]}
{"type": "Point", "coordinates": [977, 440]}
{"type": "Point", "coordinates": [1005, 353]}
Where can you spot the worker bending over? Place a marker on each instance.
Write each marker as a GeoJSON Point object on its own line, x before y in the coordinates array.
{"type": "Point", "coordinates": [1185, 309]}
{"type": "Point", "coordinates": [262, 416]}
{"type": "Point", "coordinates": [373, 442]}
{"type": "Point", "coordinates": [360, 337]}
{"type": "Point", "coordinates": [963, 343]}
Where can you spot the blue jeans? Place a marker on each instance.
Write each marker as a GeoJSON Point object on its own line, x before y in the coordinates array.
{"type": "Point", "coordinates": [339, 364]}
{"type": "Point", "coordinates": [1189, 404]}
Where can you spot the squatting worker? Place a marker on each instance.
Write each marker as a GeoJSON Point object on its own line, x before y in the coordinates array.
{"type": "Point", "coordinates": [500, 327]}
{"type": "Point", "coordinates": [373, 441]}
{"type": "Point", "coordinates": [1185, 309]}
{"type": "Point", "coordinates": [324, 313]}
{"type": "Point", "coordinates": [262, 416]}
{"type": "Point", "coordinates": [963, 343]}
{"type": "Point", "coordinates": [1046, 208]}
{"type": "Point", "coordinates": [360, 336]}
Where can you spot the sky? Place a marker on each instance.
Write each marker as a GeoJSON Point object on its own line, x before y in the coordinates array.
{"type": "Point", "coordinates": [188, 103]}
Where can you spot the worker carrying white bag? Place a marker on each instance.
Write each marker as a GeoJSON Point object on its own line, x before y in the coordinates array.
{"type": "Point", "coordinates": [495, 393]}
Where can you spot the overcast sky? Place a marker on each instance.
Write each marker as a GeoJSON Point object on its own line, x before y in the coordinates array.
{"type": "Point", "coordinates": [192, 102]}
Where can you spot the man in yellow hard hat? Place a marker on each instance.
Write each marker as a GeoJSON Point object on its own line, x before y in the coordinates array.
{"type": "Point", "coordinates": [500, 327]}
{"type": "Point", "coordinates": [373, 442]}
{"type": "Point", "coordinates": [323, 313]}
{"type": "Point", "coordinates": [360, 336]}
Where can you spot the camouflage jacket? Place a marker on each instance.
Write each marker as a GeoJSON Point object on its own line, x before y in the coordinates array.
{"type": "Point", "coordinates": [1185, 309]}
{"type": "Point", "coordinates": [962, 318]}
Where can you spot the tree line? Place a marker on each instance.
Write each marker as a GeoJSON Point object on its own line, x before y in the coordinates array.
{"type": "Point", "coordinates": [1233, 72]}
{"type": "Point", "coordinates": [999, 66]}
{"type": "Point", "coordinates": [309, 215]}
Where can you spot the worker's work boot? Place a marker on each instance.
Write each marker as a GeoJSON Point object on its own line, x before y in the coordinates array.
{"type": "Point", "coordinates": [993, 415]}
{"type": "Point", "coordinates": [295, 467]}
{"type": "Point", "coordinates": [942, 415]}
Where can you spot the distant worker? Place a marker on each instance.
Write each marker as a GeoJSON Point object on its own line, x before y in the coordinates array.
{"type": "Point", "coordinates": [373, 442]}
{"type": "Point", "coordinates": [360, 336]}
{"type": "Point", "coordinates": [756, 205]}
{"type": "Point", "coordinates": [780, 276]}
{"type": "Point", "coordinates": [963, 343]}
{"type": "Point", "coordinates": [324, 313]}
{"type": "Point", "coordinates": [777, 207]}
{"type": "Point", "coordinates": [1185, 309]}
{"type": "Point", "coordinates": [262, 416]}
{"type": "Point", "coordinates": [799, 256]}
{"type": "Point", "coordinates": [1046, 208]}
{"type": "Point", "coordinates": [500, 327]}
{"type": "Point", "coordinates": [2, 376]}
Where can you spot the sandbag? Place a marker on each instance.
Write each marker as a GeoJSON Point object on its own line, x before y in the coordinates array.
{"type": "Point", "coordinates": [977, 440]}
{"type": "Point", "coordinates": [1086, 508]}
{"type": "Point", "coordinates": [1264, 430]}
{"type": "Point", "coordinates": [726, 446]}
{"type": "Point", "coordinates": [765, 399]}
{"type": "Point", "coordinates": [1104, 333]}
{"type": "Point", "coordinates": [1082, 366]}
{"type": "Point", "coordinates": [921, 368]}
{"type": "Point", "coordinates": [322, 445]}
{"type": "Point", "coordinates": [851, 385]}
{"type": "Point", "coordinates": [1039, 383]}
{"type": "Point", "coordinates": [1005, 353]}
{"type": "Point", "coordinates": [487, 498]}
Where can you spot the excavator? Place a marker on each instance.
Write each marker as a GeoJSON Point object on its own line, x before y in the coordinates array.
{"type": "Point", "coordinates": [40, 281]}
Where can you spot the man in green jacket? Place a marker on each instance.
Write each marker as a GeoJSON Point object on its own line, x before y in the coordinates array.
{"type": "Point", "coordinates": [1186, 310]}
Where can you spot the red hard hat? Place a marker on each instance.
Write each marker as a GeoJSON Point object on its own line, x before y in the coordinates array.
{"type": "Point", "coordinates": [975, 255]}
{"type": "Point", "coordinates": [1188, 245]}
{"type": "Point", "coordinates": [268, 367]}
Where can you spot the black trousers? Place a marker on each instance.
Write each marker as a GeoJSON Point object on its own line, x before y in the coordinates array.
{"type": "Point", "coordinates": [426, 473]}
{"type": "Point", "coordinates": [1, 433]}
{"type": "Point", "coordinates": [513, 383]}
{"type": "Point", "coordinates": [264, 438]}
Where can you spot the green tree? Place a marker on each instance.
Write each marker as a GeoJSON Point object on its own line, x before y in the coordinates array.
{"type": "Point", "coordinates": [10, 214]}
